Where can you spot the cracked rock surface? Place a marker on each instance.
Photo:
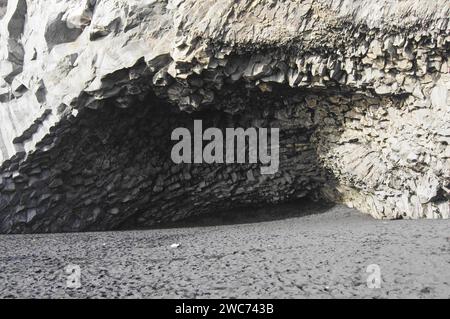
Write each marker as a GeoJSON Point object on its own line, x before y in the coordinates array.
{"type": "Point", "coordinates": [90, 91]}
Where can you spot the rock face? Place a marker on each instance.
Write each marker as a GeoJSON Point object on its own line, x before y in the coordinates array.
{"type": "Point", "coordinates": [91, 90]}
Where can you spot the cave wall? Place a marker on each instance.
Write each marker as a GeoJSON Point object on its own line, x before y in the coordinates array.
{"type": "Point", "coordinates": [359, 89]}
{"type": "Point", "coordinates": [111, 168]}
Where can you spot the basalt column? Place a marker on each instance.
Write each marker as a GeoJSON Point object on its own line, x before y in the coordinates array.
{"type": "Point", "coordinates": [90, 92]}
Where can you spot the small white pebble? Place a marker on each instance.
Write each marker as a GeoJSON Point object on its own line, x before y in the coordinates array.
{"type": "Point", "coordinates": [175, 245]}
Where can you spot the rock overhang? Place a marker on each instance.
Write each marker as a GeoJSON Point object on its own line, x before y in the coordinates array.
{"type": "Point", "coordinates": [368, 88]}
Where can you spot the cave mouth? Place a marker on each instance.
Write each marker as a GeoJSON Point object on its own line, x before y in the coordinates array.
{"type": "Point", "coordinates": [296, 208]}
{"type": "Point", "coordinates": [110, 168]}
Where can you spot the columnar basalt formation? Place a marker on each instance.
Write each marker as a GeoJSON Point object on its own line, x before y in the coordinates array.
{"type": "Point", "coordinates": [91, 90]}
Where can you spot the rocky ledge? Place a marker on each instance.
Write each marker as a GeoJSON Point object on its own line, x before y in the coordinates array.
{"type": "Point", "coordinates": [91, 90]}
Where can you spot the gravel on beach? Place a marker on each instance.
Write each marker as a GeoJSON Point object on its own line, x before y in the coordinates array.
{"type": "Point", "coordinates": [302, 254]}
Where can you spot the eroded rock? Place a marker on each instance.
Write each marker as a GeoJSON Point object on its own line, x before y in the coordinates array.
{"type": "Point", "coordinates": [360, 90]}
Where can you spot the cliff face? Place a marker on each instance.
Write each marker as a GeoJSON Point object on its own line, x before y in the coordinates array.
{"type": "Point", "coordinates": [91, 90]}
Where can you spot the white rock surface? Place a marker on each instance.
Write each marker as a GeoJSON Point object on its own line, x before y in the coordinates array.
{"type": "Point", "coordinates": [58, 57]}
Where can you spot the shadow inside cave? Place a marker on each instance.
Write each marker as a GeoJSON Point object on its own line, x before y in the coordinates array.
{"type": "Point", "coordinates": [111, 168]}
{"type": "Point", "coordinates": [249, 215]}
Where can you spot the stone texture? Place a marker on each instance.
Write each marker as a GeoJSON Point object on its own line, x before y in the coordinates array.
{"type": "Point", "coordinates": [294, 253]}
{"type": "Point", "coordinates": [90, 91]}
